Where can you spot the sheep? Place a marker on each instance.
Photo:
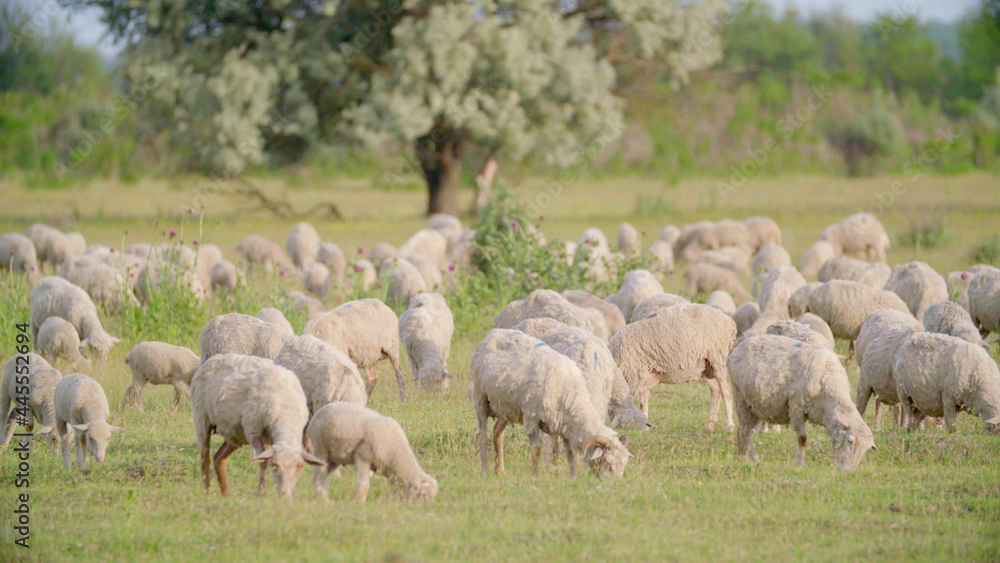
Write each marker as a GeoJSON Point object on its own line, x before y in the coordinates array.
{"type": "Point", "coordinates": [918, 285]}
{"type": "Point", "coordinates": [819, 325]}
{"type": "Point", "coordinates": [317, 280]}
{"type": "Point", "coordinates": [76, 244]}
{"type": "Point", "coordinates": [594, 238]}
{"type": "Point", "coordinates": [155, 274]}
{"type": "Point", "coordinates": [368, 331]}
{"type": "Point", "coordinates": [347, 434]}
{"type": "Point", "coordinates": [426, 329]}
{"type": "Point", "coordinates": [302, 244]}
{"type": "Point", "coordinates": [57, 338]}
{"type": "Point", "coordinates": [236, 333]}
{"type": "Point", "coordinates": [721, 301]}
{"type": "Point", "coordinates": [594, 254]}
{"type": "Point", "coordinates": [636, 286]}
{"type": "Point", "coordinates": [102, 282]}
{"type": "Point", "coordinates": [81, 404]}
{"type": "Point", "coordinates": [706, 278]}
{"type": "Point", "coordinates": [326, 373]}
{"type": "Point", "coordinates": [738, 255]}
{"type": "Point", "coordinates": [845, 304]}
{"type": "Point", "coordinates": [207, 257]}
{"type": "Point", "coordinates": [428, 243]}
{"type": "Point", "coordinates": [223, 276]}
{"type": "Point", "coordinates": [762, 231]}
{"type": "Point", "coordinates": [860, 234]}
{"type": "Point", "coordinates": [56, 297]}
{"type": "Point", "coordinates": [381, 252]}
{"type": "Point", "coordinates": [945, 317]}
{"type": "Point", "coordinates": [718, 258]}
{"type": "Point", "coordinates": [779, 380]}
{"type": "Point", "coordinates": [881, 336]}
{"type": "Point", "coordinates": [687, 234]}
{"type": "Point", "coordinates": [160, 363]}
{"type": "Point", "coordinates": [652, 305]}
{"type": "Point", "coordinates": [433, 279]}
{"type": "Point", "coordinates": [39, 384]}
{"type": "Point", "coordinates": [779, 286]}
{"type": "Point", "coordinates": [661, 258]}
{"type": "Point", "coordinates": [670, 234]}
{"type": "Point", "coordinates": [547, 303]}
{"type": "Point", "coordinates": [798, 301]}
{"type": "Point", "coordinates": [256, 251]}
{"type": "Point", "coordinates": [179, 255]}
{"type": "Point", "coordinates": [140, 250]}
{"type": "Point", "coordinates": [874, 275]}
{"type": "Point", "coordinates": [815, 256]}
{"type": "Point", "coordinates": [310, 305]}
{"type": "Point", "coordinates": [628, 239]}
{"type": "Point", "coordinates": [250, 400]}
{"type": "Point", "coordinates": [51, 246]}
{"type": "Point", "coordinates": [332, 257]}
{"type": "Point", "coordinates": [17, 253]}
{"type": "Point", "coordinates": [402, 279]}
{"type": "Point", "coordinates": [726, 232]}
{"type": "Point", "coordinates": [449, 226]}
{"type": "Point", "coordinates": [798, 331]}
{"type": "Point", "coordinates": [984, 301]}
{"type": "Point", "coordinates": [841, 268]}
{"type": "Point", "coordinates": [767, 258]}
{"type": "Point", "coordinates": [680, 344]}
{"type": "Point", "coordinates": [745, 316]}
{"type": "Point", "coordinates": [277, 318]}
{"type": "Point", "coordinates": [613, 317]}
{"type": "Point", "coordinates": [940, 375]}
{"type": "Point", "coordinates": [518, 379]}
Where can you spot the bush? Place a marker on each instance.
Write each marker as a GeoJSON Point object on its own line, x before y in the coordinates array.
{"type": "Point", "coordinates": [869, 139]}
{"type": "Point", "coordinates": [988, 251]}
{"type": "Point", "coordinates": [925, 231]}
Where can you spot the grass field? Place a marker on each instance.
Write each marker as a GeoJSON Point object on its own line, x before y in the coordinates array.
{"type": "Point", "coordinates": [927, 496]}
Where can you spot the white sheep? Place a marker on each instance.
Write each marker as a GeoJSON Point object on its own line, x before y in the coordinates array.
{"type": "Point", "coordinates": [449, 226]}
{"type": "Point", "coordinates": [433, 279]}
{"type": "Point", "coordinates": [819, 325]}
{"type": "Point", "coordinates": [317, 280]}
{"type": "Point", "coordinates": [81, 404]}
{"type": "Point", "coordinates": [547, 303]}
{"type": "Point", "coordinates": [333, 257]}
{"type": "Point", "coordinates": [767, 258]}
{"type": "Point", "coordinates": [874, 275]}
{"type": "Point", "coordinates": [428, 243]}
{"type": "Point", "coordinates": [236, 333]}
{"type": "Point", "coordinates": [881, 336]}
{"type": "Point", "coordinates": [984, 301]}
{"type": "Point", "coordinates": [725, 232]}
{"type": "Point", "coordinates": [918, 285]}
{"type": "Point", "coordinates": [208, 256]}
{"type": "Point", "coordinates": [519, 379]}
{"type": "Point", "coordinates": [722, 301]}
{"type": "Point", "coordinates": [402, 279]}
{"type": "Point", "coordinates": [844, 305]}
{"type": "Point", "coordinates": [363, 274]}
{"type": "Point", "coordinates": [636, 286]}
{"type": "Point", "coordinates": [56, 297]}
{"type": "Point", "coordinates": [815, 256]}
{"type": "Point", "coordinates": [779, 380]}
{"type": "Point", "coordinates": [841, 268]}
{"type": "Point", "coordinates": [761, 231]}
{"type": "Point", "coordinates": [326, 373]}
{"type": "Point", "coordinates": [628, 239]}
{"type": "Point", "coordinates": [613, 317]}
{"type": "Point", "coordinates": [156, 274]}
{"type": "Point", "coordinates": [426, 329]}
{"type": "Point", "coordinates": [105, 284]}
{"type": "Point", "coordinates": [51, 246]}
{"type": "Point", "coordinates": [368, 331]}
{"type": "Point", "coordinates": [798, 331]}
{"type": "Point", "coordinates": [17, 253]}
{"type": "Point", "coordinates": [223, 275]}
{"type": "Point", "coordinates": [718, 258]}
{"type": "Point", "coordinates": [661, 258]}
{"type": "Point", "coordinates": [680, 344]}
{"type": "Point", "coordinates": [275, 317]}
{"type": "Point", "coordinates": [687, 234]}
{"type": "Point", "coordinates": [256, 251]}
{"type": "Point", "coordinates": [670, 234]}
{"type": "Point", "coordinates": [745, 316]}
{"type": "Point", "coordinates": [38, 382]}
{"type": "Point", "coordinates": [706, 278]}
{"type": "Point", "coordinates": [652, 305]}
{"type": "Point", "coordinates": [57, 338]}
{"type": "Point", "coordinates": [160, 363]}
{"type": "Point", "coordinates": [381, 252]}
{"type": "Point", "coordinates": [798, 301]}
{"type": "Point", "coordinates": [348, 434]}
{"type": "Point", "coordinates": [779, 286]}
{"type": "Point", "coordinates": [945, 317]}
{"type": "Point", "coordinates": [250, 400]}
{"type": "Point", "coordinates": [861, 234]}
{"type": "Point", "coordinates": [302, 302]}
{"type": "Point", "coordinates": [76, 244]}
{"type": "Point", "coordinates": [940, 375]}
{"type": "Point", "coordinates": [302, 244]}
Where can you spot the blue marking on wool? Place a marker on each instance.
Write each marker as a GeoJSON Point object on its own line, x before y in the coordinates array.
{"type": "Point", "coordinates": [799, 345]}
{"type": "Point", "coordinates": [539, 344]}
{"type": "Point", "coordinates": [595, 360]}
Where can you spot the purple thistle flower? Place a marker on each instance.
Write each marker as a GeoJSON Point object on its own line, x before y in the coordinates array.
{"type": "Point", "coordinates": [173, 233]}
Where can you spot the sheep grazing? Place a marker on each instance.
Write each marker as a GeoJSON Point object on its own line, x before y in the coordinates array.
{"type": "Point", "coordinates": [223, 276]}
{"type": "Point", "coordinates": [875, 275]}
{"type": "Point", "coordinates": [317, 280]}
{"type": "Point", "coordinates": [860, 235]}
{"type": "Point", "coordinates": [714, 236]}
{"type": "Point", "coordinates": [17, 253]}
{"type": "Point", "coordinates": [256, 252]}
{"type": "Point", "coordinates": [945, 317]}
{"type": "Point", "coordinates": [670, 234]}
{"type": "Point", "coordinates": [326, 373]}
{"type": "Point", "coordinates": [402, 279]}
{"type": "Point", "coordinates": [841, 268]}
{"type": "Point", "coordinates": [613, 317]}
{"type": "Point", "coordinates": [652, 305]}
{"type": "Point", "coordinates": [41, 388]}
{"type": "Point", "coordinates": [236, 333]}
{"type": "Point", "coordinates": [745, 316]}
{"type": "Point", "coordinates": [368, 331]}
{"type": "Point", "coordinates": [302, 245]}
{"type": "Point", "coordinates": [81, 404]}
{"type": "Point", "coordinates": [706, 278]}
{"type": "Point", "coordinates": [102, 282]}
{"type": "Point", "coordinates": [426, 329]}
{"type": "Point", "coordinates": [332, 257]}
{"type": "Point", "coordinates": [845, 304]}
{"type": "Point", "coordinates": [940, 375]}
{"type": "Point", "coordinates": [661, 258]}
{"type": "Point", "coordinates": [984, 301]}
{"type": "Point", "coordinates": [680, 344]}
{"type": "Point", "coordinates": [381, 252]}
{"type": "Point", "coordinates": [547, 303]}
{"type": "Point", "coordinates": [918, 285]}
{"type": "Point", "coordinates": [798, 331]}
{"type": "Point", "coordinates": [767, 258]}
{"type": "Point", "coordinates": [275, 317]}
{"type": "Point", "coordinates": [762, 231]}
{"type": "Point", "coordinates": [160, 363]}
{"type": "Point", "coordinates": [51, 246]}
{"type": "Point", "coordinates": [628, 239]}
{"type": "Point", "coordinates": [302, 302]}
{"type": "Point", "coordinates": [687, 234]}
{"type": "Point", "coordinates": [722, 301]}
{"type": "Point", "coordinates": [518, 379]}
{"type": "Point", "coordinates": [798, 301]}
{"type": "Point", "coordinates": [57, 338]}
{"type": "Point", "coordinates": [636, 286]}
{"type": "Point", "coordinates": [348, 434]}
{"type": "Point", "coordinates": [249, 400]}
{"type": "Point", "coordinates": [815, 256]}
{"type": "Point", "coordinates": [779, 380]}
{"type": "Point", "coordinates": [56, 297]}
{"type": "Point", "coordinates": [428, 243]}
{"type": "Point", "coordinates": [819, 325]}
{"type": "Point", "coordinates": [882, 335]}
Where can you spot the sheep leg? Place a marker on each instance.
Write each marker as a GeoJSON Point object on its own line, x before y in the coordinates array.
{"type": "Point", "coordinates": [81, 451]}
{"type": "Point", "coordinates": [799, 424]}
{"type": "Point", "coordinates": [400, 378]}
{"type": "Point", "coordinates": [899, 415]}
{"type": "Point", "coordinates": [65, 441]}
{"type": "Point", "coordinates": [127, 396]}
{"type": "Point", "coordinates": [727, 399]}
{"type": "Point", "coordinates": [225, 450]}
{"type": "Point", "coordinates": [498, 429]}
{"type": "Point", "coordinates": [372, 378]}
{"type": "Point", "coordinates": [862, 397]}
{"type": "Point", "coordinates": [645, 403]}
{"type": "Point", "coordinates": [744, 435]}
{"type": "Point", "coordinates": [482, 419]}
{"type": "Point", "coordinates": [570, 458]}
{"type": "Point", "coordinates": [878, 413]}
{"type": "Point", "coordinates": [362, 474]}
{"type": "Point", "coordinates": [206, 467]}
{"type": "Point", "coordinates": [950, 414]}
{"type": "Point", "coordinates": [9, 425]}
{"type": "Point", "coordinates": [535, 441]}
{"type": "Point", "coordinates": [555, 448]}
{"type": "Point", "coordinates": [181, 388]}
{"type": "Point", "coordinates": [713, 405]}
{"type": "Point", "coordinates": [321, 479]}
{"type": "Point", "coordinates": [914, 417]}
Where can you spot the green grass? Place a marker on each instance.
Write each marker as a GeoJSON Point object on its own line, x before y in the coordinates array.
{"type": "Point", "coordinates": [926, 496]}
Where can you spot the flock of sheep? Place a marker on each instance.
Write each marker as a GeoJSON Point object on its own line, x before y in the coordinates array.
{"type": "Point", "coordinates": [569, 367]}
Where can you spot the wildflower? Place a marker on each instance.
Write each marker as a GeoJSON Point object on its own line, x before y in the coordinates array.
{"type": "Point", "coordinates": [361, 250]}
{"type": "Point", "coordinates": [965, 276]}
{"type": "Point", "coordinates": [195, 242]}
{"type": "Point", "coordinates": [378, 284]}
{"type": "Point", "coordinates": [173, 233]}
{"type": "Point", "coordinates": [281, 273]}
{"type": "Point", "coordinates": [514, 226]}
{"type": "Point", "coordinates": [357, 268]}
{"type": "Point", "coordinates": [190, 211]}
{"type": "Point", "coordinates": [451, 267]}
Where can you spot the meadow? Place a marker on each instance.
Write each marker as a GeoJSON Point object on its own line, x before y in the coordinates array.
{"type": "Point", "coordinates": [685, 495]}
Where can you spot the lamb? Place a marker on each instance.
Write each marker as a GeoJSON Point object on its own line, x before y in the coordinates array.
{"type": "Point", "coordinates": [779, 380]}
{"type": "Point", "coordinates": [661, 258]}
{"type": "Point", "coordinates": [57, 338]}
{"type": "Point", "coordinates": [882, 335]}
{"type": "Point", "coordinates": [918, 285]}
{"type": "Point", "coordinates": [798, 331]}
{"type": "Point", "coordinates": [819, 325]}
{"type": "Point", "coordinates": [381, 252]}
{"type": "Point", "coordinates": [160, 363]}
{"type": "Point", "coordinates": [332, 257]}
{"type": "Point", "coordinates": [348, 434]}
{"type": "Point", "coordinates": [102, 282]}
{"type": "Point", "coordinates": [798, 302]}
{"type": "Point", "coordinates": [721, 301]}
{"type": "Point", "coordinates": [945, 317]}
{"type": "Point", "coordinates": [257, 252]}
{"type": "Point", "coordinates": [426, 329]}
{"type": "Point", "coordinates": [636, 286]}
{"type": "Point", "coordinates": [628, 239]}
{"type": "Point", "coordinates": [613, 317]}
{"type": "Point", "coordinates": [223, 276]}
{"type": "Point", "coordinates": [547, 303]}
{"type": "Point", "coordinates": [762, 231]}
{"type": "Point", "coordinates": [841, 268]}
{"type": "Point", "coordinates": [317, 280]}
{"type": "Point", "coordinates": [236, 333]}
{"type": "Point", "coordinates": [81, 403]}
{"type": "Point", "coordinates": [984, 301]}
{"type": "Point", "coordinates": [767, 258]}
{"type": "Point", "coordinates": [326, 373]}
{"type": "Point", "coordinates": [277, 318]}
{"type": "Point", "coordinates": [745, 316]}
{"type": "Point", "coordinates": [368, 331]}
{"type": "Point", "coordinates": [680, 344]}
{"type": "Point", "coordinates": [56, 297]}
{"type": "Point", "coordinates": [402, 279]}
{"type": "Point", "coordinates": [815, 256]}
{"type": "Point", "coordinates": [428, 243]}
{"type": "Point", "coordinates": [845, 304]}
{"type": "Point", "coordinates": [39, 384]}
{"type": "Point", "coordinates": [249, 400]}
{"type": "Point", "coordinates": [860, 234]}
{"type": "Point", "coordinates": [650, 306]}
{"type": "Point", "coordinates": [17, 253]}
{"type": "Point", "coordinates": [310, 305]}
{"type": "Point", "coordinates": [706, 278]}
{"type": "Point", "coordinates": [302, 245]}
{"type": "Point", "coordinates": [940, 375]}
{"type": "Point", "coordinates": [594, 253]}
{"type": "Point", "coordinates": [518, 379]}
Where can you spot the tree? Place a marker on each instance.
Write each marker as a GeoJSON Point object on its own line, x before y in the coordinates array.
{"type": "Point", "coordinates": [238, 82]}
{"type": "Point", "coordinates": [903, 57]}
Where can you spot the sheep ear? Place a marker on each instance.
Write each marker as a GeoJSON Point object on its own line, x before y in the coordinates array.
{"type": "Point", "coordinates": [115, 340]}
{"type": "Point", "coordinates": [264, 455]}
{"type": "Point", "coordinates": [116, 429]}
{"type": "Point", "coordinates": [311, 459]}
{"type": "Point", "coordinates": [45, 430]}
{"type": "Point", "coordinates": [598, 452]}
{"type": "Point", "coordinates": [874, 448]}
{"type": "Point", "coordinates": [81, 427]}
{"type": "Point", "coordinates": [616, 420]}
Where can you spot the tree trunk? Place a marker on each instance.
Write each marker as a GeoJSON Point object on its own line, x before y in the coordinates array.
{"type": "Point", "coordinates": [484, 184]}
{"type": "Point", "coordinates": [440, 155]}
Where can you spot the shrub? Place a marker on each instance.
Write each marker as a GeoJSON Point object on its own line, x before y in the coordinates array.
{"type": "Point", "coordinates": [988, 251]}
{"type": "Point", "coordinates": [926, 231]}
{"type": "Point", "coordinates": [869, 139]}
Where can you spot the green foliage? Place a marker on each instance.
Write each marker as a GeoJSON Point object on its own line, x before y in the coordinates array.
{"type": "Point", "coordinates": [987, 251]}
{"type": "Point", "coordinates": [654, 207]}
{"type": "Point", "coordinates": [902, 57]}
{"type": "Point", "coordinates": [927, 231]}
{"type": "Point", "coordinates": [869, 139]}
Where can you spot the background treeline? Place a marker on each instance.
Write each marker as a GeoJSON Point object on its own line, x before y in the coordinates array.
{"type": "Point", "coordinates": [817, 95]}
